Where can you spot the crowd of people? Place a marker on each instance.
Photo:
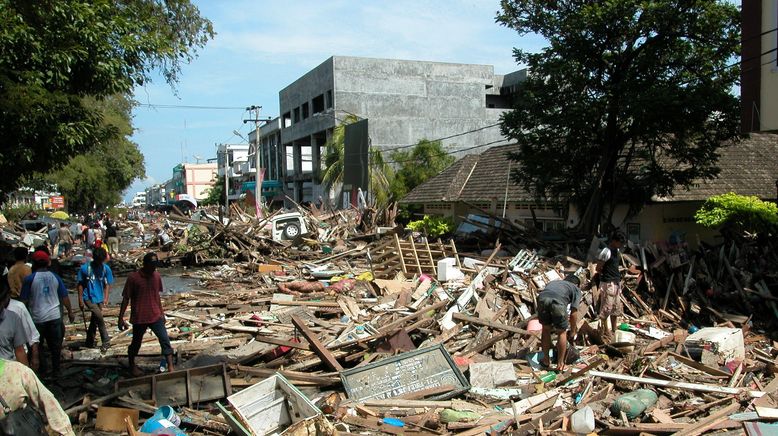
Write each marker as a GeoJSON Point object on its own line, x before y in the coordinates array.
{"type": "Point", "coordinates": [34, 304]}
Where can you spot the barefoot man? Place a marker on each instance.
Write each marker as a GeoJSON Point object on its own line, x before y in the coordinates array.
{"type": "Point", "coordinates": [142, 289]}
{"type": "Point", "coordinates": [558, 313]}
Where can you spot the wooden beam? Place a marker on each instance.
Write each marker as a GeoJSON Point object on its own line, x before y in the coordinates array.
{"type": "Point", "coordinates": [710, 421]}
{"type": "Point", "coordinates": [306, 303]}
{"type": "Point", "coordinates": [697, 365]}
{"type": "Point", "coordinates": [320, 380]}
{"type": "Point", "coordinates": [597, 362]}
{"type": "Point", "coordinates": [495, 325]}
{"type": "Point", "coordinates": [282, 342]}
{"type": "Point", "coordinates": [676, 384]}
{"type": "Point", "coordinates": [324, 354]}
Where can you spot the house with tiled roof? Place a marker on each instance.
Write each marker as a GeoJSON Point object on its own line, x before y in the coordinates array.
{"type": "Point", "coordinates": [748, 167]}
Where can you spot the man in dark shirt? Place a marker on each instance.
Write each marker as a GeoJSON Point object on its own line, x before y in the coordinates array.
{"type": "Point", "coordinates": [608, 262]}
{"type": "Point", "coordinates": [143, 288]}
{"type": "Point", "coordinates": [558, 313]}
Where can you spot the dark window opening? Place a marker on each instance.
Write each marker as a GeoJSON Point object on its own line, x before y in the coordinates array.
{"type": "Point", "coordinates": [305, 111]}
{"type": "Point", "coordinates": [497, 102]}
{"type": "Point", "coordinates": [318, 104]}
{"type": "Point", "coordinates": [287, 120]}
{"type": "Point", "coordinates": [329, 99]}
{"type": "Point", "coordinates": [296, 115]}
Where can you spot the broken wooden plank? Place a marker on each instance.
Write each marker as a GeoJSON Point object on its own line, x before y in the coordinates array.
{"type": "Point", "coordinates": [709, 421]}
{"type": "Point", "coordinates": [324, 354]}
{"type": "Point", "coordinates": [697, 365]}
{"type": "Point", "coordinates": [676, 384]}
{"type": "Point", "coordinates": [495, 325]}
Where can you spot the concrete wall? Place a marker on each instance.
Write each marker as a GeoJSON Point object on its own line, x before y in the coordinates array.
{"type": "Point", "coordinates": [769, 78]}
{"type": "Point", "coordinates": [659, 222]}
{"type": "Point", "coordinates": [407, 101]}
{"type": "Point", "coordinates": [198, 179]}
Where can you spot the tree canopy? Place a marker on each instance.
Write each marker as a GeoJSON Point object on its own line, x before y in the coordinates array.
{"type": "Point", "coordinates": [738, 213]}
{"type": "Point", "coordinates": [416, 165]}
{"type": "Point", "coordinates": [58, 53]}
{"type": "Point", "coordinates": [630, 98]}
{"type": "Point", "coordinates": [98, 177]}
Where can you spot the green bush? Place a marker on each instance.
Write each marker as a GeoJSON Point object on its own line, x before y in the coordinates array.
{"type": "Point", "coordinates": [432, 226]}
{"type": "Point", "coordinates": [747, 213]}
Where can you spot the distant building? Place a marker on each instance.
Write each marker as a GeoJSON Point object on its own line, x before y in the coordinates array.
{"type": "Point", "coordinates": [49, 200]}
{"type": "Point", "coordinates": [139, 200]}
{"type": "Point", "coordinates": [403, 101]}
{"type": "Point", "coordinates": [759, 66]}
{"type": "Point", "coordinates": [155, 195]}
{"type": "Point", "coordinates": [192, 179]}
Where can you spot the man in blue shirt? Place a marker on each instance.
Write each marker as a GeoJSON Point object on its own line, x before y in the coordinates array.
{"type": "Point", "coordinates": [94, 286]}
{"type": "Point", "coordinates": [44, 293]}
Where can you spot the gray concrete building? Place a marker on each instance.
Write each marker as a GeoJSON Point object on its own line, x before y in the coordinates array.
{"type": "Point", "coordinates": [404, 102]}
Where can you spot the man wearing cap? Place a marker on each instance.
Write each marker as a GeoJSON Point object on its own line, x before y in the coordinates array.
{"type": "Point", "coordinates": [143, 289]}
{"type": "Point", "coordinates": [44, 293]}
{"type": "Point", "coordinates": [608, 262]}
{"type": "Point", "coordinates": [558, 313]}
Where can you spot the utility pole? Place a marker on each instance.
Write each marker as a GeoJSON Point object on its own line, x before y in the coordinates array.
{"type": "Point", "coordinates": [257, 155]}
{"type": "Point", "coordinates": [226, 181]}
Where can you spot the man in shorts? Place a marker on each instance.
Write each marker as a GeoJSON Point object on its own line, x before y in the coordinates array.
{"type": "Point", "coordinates": [608, 262]}
{"type": "Point", "coordinates": [558, 313]}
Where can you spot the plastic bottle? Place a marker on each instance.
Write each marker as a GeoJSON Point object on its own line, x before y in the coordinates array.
{"type": "Point", "coordinates": [163, 365]}
{"type": "Point", "coordinates": [548, 377]}
{"type": "Point", "coordinates": [624, 327]}
{"type": "Point", "coordinates": [634, 403]}
{"type": "Point", "coordinates": [582, 421]}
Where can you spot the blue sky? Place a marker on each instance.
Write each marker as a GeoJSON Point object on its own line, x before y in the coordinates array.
{"type": "Point", "coordinates": [261, 47]}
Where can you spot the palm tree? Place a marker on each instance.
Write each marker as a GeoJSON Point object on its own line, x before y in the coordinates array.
{"type": "Point", "coordinates": [334, 155]}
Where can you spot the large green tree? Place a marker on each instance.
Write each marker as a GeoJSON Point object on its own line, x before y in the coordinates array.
{"type": "Point", "coordinates": [416, 165]}
{"type": "Point", "coordinates": [57, 53]}
{"type": "Point", "coordinates": [98, 177]}
{"type": "Point", "coordinates": [630, 99]}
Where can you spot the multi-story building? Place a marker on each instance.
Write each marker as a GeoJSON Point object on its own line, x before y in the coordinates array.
{"type": "Point", "coordinates": [155, 195]}
{"type": "Point", "coordinates": [403, 101]}
{"type": "Point", "coordinates": [759, 66]}
{"type": "Point", "coordinates": [193, 179]}
{"type": "Point", "coordinates": [139, 200]}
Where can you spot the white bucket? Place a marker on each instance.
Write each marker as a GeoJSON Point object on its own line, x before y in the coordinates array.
{"type": "Point", "coordinates": [582, 421]}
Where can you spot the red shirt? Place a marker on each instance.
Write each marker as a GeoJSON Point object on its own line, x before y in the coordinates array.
{"type": "Point", "coordinates": [144, 291]}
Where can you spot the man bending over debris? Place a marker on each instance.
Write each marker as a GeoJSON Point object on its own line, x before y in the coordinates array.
{"type": "Point", "coordinates": [143, 289]}
{"type": "Point", "coordinates": [558, 312]}
{"type": "Point", "coordinates": [608, 263]}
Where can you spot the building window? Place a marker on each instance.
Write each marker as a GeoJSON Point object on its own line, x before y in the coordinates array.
{"type": "Point", "coordinates": [318, 104]}
{"type": "Point", "coordinates": [305, 111]}
{"type": "Point", "coordinates": [296, 115]}
{"type": "Point", "coordinates": [287, 120]}
{"type": "Point", "coordinates": [329, 99]}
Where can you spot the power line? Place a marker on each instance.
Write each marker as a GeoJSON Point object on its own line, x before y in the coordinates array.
{"type": "Point", "coordinates": [452, 151]}
{"type": "Point", "coordinates": [182, 106]}
{"type": "Point", "coordinates": [400, 147]}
